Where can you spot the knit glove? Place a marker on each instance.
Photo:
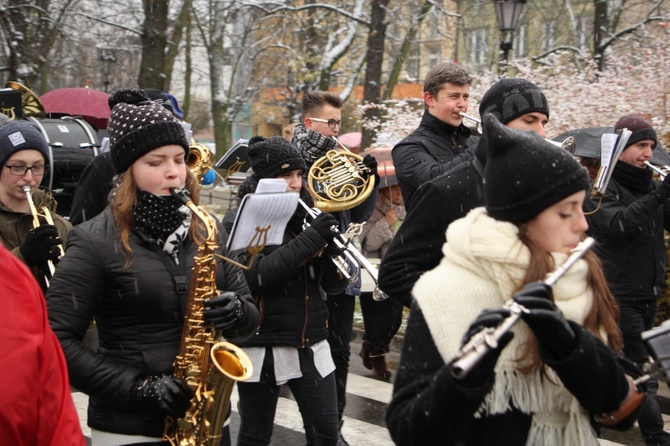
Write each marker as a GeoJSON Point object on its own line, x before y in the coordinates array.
{"type": "Point", "coordinates": [370, 162]}
{"type": "Point", "coordinates": [553, 333]}
{"type": "Point", "coordinates": [482, 372]}
{"type": "Point", "coordinates": [663, 191]}
{"type": "Point", "coordinates": [169, 394]}
{"type": "Point", "coordinates": [224, 310]}
{"type": "Point", "coordinates": [40, 246]}
{"type": "Point", "coordinates": [326, 225]}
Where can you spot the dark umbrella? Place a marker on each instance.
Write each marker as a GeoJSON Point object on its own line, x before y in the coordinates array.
{"type": "Point", "coordinates": [588, 144]}
{"type": "Point", "coordinates": [88, 103]}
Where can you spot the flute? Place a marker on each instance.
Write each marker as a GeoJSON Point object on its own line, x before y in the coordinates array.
{"type": "Point", "coordinates": [487, 339]}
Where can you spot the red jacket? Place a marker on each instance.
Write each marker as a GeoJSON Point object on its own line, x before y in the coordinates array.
{"type": "Point", "coordinates": [37, 407]}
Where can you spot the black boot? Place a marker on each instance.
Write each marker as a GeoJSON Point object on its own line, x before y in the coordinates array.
{"type": "Point", "coordinates": [340, 439]}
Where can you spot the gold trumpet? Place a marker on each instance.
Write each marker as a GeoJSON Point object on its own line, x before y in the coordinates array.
{"type": "Point", "coordinates": [46, 215]}
{"type": "Point", "coordinates": [568, 143]}
{"type": "Point", "coordinates": [339, 180]}
{"type": "Point", "coordinates": [662, 171]}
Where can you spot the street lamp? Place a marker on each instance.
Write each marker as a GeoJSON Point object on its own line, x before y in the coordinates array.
{"type": "Point", "coordinates": [507, 13]}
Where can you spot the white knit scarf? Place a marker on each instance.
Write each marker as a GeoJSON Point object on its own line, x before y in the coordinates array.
{"type": "Point", "coordinates": [484, 264]}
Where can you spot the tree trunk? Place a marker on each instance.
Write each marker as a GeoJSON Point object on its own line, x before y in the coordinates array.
{"type": "Point", "coordinates": [600, 28]}
{"type": "Point", "coordinates": [154, 42]}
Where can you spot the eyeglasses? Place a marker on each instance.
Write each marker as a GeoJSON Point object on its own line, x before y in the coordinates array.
{"type": "Point", "coordinates": [332, 123]}
{"type": "Point", "coordinates": [20, 171]}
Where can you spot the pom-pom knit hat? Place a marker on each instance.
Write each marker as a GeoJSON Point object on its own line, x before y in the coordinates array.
{"type": "Point", "coordinates": [525, 174]}
{"type": "Point", "coordinates": [273, 156]}
{"type": "Point", "coordinates": [137, 126]}
{"type": "Point", "coordinates": [21, 135]}
{"type": "Point", "coordinates": [639, 126]}
{"type": "Point", "coordinates": [510, 98]}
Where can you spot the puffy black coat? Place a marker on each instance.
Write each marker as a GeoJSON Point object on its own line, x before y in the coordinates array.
{"type": "Point", "coordinates": [432, 149]}
{"type": "Point", "coordinates": [139, 317]}
{"type": "Point", "coordinates": [285, 280]}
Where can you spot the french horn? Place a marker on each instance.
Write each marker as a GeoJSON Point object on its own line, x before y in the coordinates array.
{"type": "Point", "coordinates": [31, 106]}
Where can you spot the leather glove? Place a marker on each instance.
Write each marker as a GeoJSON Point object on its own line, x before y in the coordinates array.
{"type": "Point", "coordinates": [370, 162]}
{"type": "Point", "coordinates": [40, 246]}
{"type": "Point", "coordinates": [326, 225]}
{"type": "Point", "coordinates": [483, 370]}
{"type": "Point", "coordinates": [168, 393]}
{"type": "Point", "coordinates": [224, 310]}
{"type": "Point", "coordinates": [547, 322]}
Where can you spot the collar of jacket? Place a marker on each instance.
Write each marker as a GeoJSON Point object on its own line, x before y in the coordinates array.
{"type": "Point", "coordinates": [442, 127]}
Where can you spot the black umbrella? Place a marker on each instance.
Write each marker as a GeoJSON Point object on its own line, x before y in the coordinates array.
{"type": "Point", "coordinates": [588, 144]}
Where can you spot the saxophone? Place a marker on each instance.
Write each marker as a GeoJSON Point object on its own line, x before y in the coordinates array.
{"type": "Point", "coordinates": [208, 367]}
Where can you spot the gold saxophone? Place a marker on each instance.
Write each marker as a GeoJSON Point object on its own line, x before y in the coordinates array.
{"type": "Point", "coordinates": [208, 367]}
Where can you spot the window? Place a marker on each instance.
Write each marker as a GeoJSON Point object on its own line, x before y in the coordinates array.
{"type": "Point", "coordinates": [434, 56]}
{"type": "Point", "coordinates": [413, 63]}
{"type": "Point", "coordinates": [477, 46]}
{"type": "Point", "coordinates": [519, 43]}
{"type": "Point", "coordinates": [549, 35]}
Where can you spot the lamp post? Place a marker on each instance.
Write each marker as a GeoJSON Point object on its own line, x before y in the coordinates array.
{"type": "Point", "coordinates": [507, 13]}
{"type": "Point", "coordinates": [107, 58]}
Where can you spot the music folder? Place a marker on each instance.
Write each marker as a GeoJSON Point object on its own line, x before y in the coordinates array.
{"type": "Point", "coordinates": [264, 214]}
{"type": "Point", "coordinates": [612, 144]}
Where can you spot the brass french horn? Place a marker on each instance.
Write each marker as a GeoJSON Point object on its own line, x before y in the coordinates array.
{"type": "Point", "coordinates": [339, 180]}
{"type": "Point", "coordinates": [30, 103]}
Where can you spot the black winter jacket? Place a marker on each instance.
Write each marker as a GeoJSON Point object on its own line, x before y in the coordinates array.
{"type": "Point", "coordinates": [432, 149]}
{"type": "Point", "coordinates": [417, 246]}
{"type": "Point", "coordinates": [628, 229]}
{"type": "Point", "coordinates": [285, 280]}
{"type": "Point", "coordinates": [139, 317]}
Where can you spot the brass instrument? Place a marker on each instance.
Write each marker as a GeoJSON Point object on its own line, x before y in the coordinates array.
{"type": "Point", "coordinates": [662, 171]}
{"type": "Point", "coordinates": [46, 215]}
{"type": "Point", "coordinates": [210, 368]}
{"type": "Point", "coordinates": [30, 103]}
{"type": "Point", "coordinates": [199, 160]}
{"type": "Point", "coordinates": [487, 339]}
{"type": "Point", "coordinates": [339, 180]}
{"type": "Point", "coordinates": [568, 144]}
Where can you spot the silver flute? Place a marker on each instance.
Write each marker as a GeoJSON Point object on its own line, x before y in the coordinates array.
{"type": "Point", "coordinates": [487, 339]}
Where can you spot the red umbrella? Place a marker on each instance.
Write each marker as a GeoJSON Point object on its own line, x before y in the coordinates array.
{"type": "Point", "coordinates": [85, 102]}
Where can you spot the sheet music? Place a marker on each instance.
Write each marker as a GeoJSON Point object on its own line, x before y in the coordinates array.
{"type": "Point", "coordinates": [258, 211]}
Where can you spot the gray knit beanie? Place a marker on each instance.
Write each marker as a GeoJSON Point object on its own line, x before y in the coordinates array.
{"type": "Point", "coordinates": [510, 98]}
{"type": "Point", "coordinates": [21, 135]}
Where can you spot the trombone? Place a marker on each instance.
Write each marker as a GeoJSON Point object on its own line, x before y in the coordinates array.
{"type": "Point", "coordinates": [36, 223]}
{"type": "Point", "coordinates": [568, 144]}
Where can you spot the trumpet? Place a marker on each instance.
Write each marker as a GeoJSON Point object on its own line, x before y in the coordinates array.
{"type": "Point", "coordinates": [662, 171]}
{"type": "Point", "coordinates": [568, 143]}
{"type": "Point", "coordinates": [46, 215]}
{"type": "Point", "coordinates": [487, 339]}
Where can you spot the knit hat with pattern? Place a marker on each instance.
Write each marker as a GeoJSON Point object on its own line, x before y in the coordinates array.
{"type": "Point", "coordinates": [21, 135]}
{"type": "Point", "coordinates": [137, 126]}
{"type": "Point", "coordinates": [639, 126]}
{"type": "Point", "coordinates": [510, 98]}
{"type": "Point", "coordinates": [525, 174]}
{"type": "Point", "coordinates": [273, 156]}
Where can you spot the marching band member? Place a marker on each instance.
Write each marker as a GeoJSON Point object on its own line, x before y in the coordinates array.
{"type": "Point", "coordinates": [291, 345]}
{"type": "Point", "coordinates": [24, 160]}
{"type": "Point", "coordinates": [129, 268]}
{"type": "Point", "coordinates": [551, 373]}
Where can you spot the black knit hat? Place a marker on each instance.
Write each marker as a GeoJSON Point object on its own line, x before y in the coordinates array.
{"type": "Point", "coordinates": [510, 98]}
{"type": "Point", "coordinates": [273, 156]}
{"type": "Point", "coordinates": [21, 135]}
{"type": "Point", "coordinates": [137, 126]}
{"type": "Point", "coordinates": [525, 174]}
{"type": "Point", "coordinates": [639, 126]}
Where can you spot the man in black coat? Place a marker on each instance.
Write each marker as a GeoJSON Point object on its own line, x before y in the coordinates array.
{"type": "Point", "coordinates": [438, 143]}
{"type": "Point", "coordinates": [627, 223]}
{"type": "Point", "coordinates": [417, 246]}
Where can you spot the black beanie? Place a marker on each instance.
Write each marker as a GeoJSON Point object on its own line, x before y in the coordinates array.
{"type": "Point", "coordinates": [510, 98]}
{"type": "Point", "coordinates": [273, 156]}
{"type": "Point", "coordinates": [525, 174]}
{"type": "Point", "coordinates": [639, 126]}
{"type": "Point", "coordinates": [137, 126]}
{"type": "Point", "coordinates": [21, 135]}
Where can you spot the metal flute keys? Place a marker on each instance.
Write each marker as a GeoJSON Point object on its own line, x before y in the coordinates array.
{"type": "Point", "coordinates": [487, 339]}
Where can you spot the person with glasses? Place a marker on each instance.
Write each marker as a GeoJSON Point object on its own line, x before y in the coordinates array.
{"type": "Point", "coordinates": [439, 143]}
{"type": "Point", "coordinates": [322, 116]}
{"type": "Point", "coordinates": [24, 157]}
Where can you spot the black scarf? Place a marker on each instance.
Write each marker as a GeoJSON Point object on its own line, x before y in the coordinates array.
{"type": "Point", "coordinates": [158, 217]}
{"type": "Point", "coordinates": [634, 178]}
{"type": "Point", "coordinates": [312, 145]}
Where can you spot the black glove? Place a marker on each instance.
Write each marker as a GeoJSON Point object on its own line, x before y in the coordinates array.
{"type": "Point", "coordinates": [547, 322]}
{"type": "Point", "coordinates": [224, 310]}
{"type": "Point", "coordinates": [40, 246]}
{"type": "Point", "coordinates": [326, 225]}
{"type": "Point", "coordinates": [370, 162]}
{"type": "Point", "coordinates": [483, 370]}
{"type": "Point", "coordinates": [168, 393]}
{"type": "Point", "coordinates": [663, 191]}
